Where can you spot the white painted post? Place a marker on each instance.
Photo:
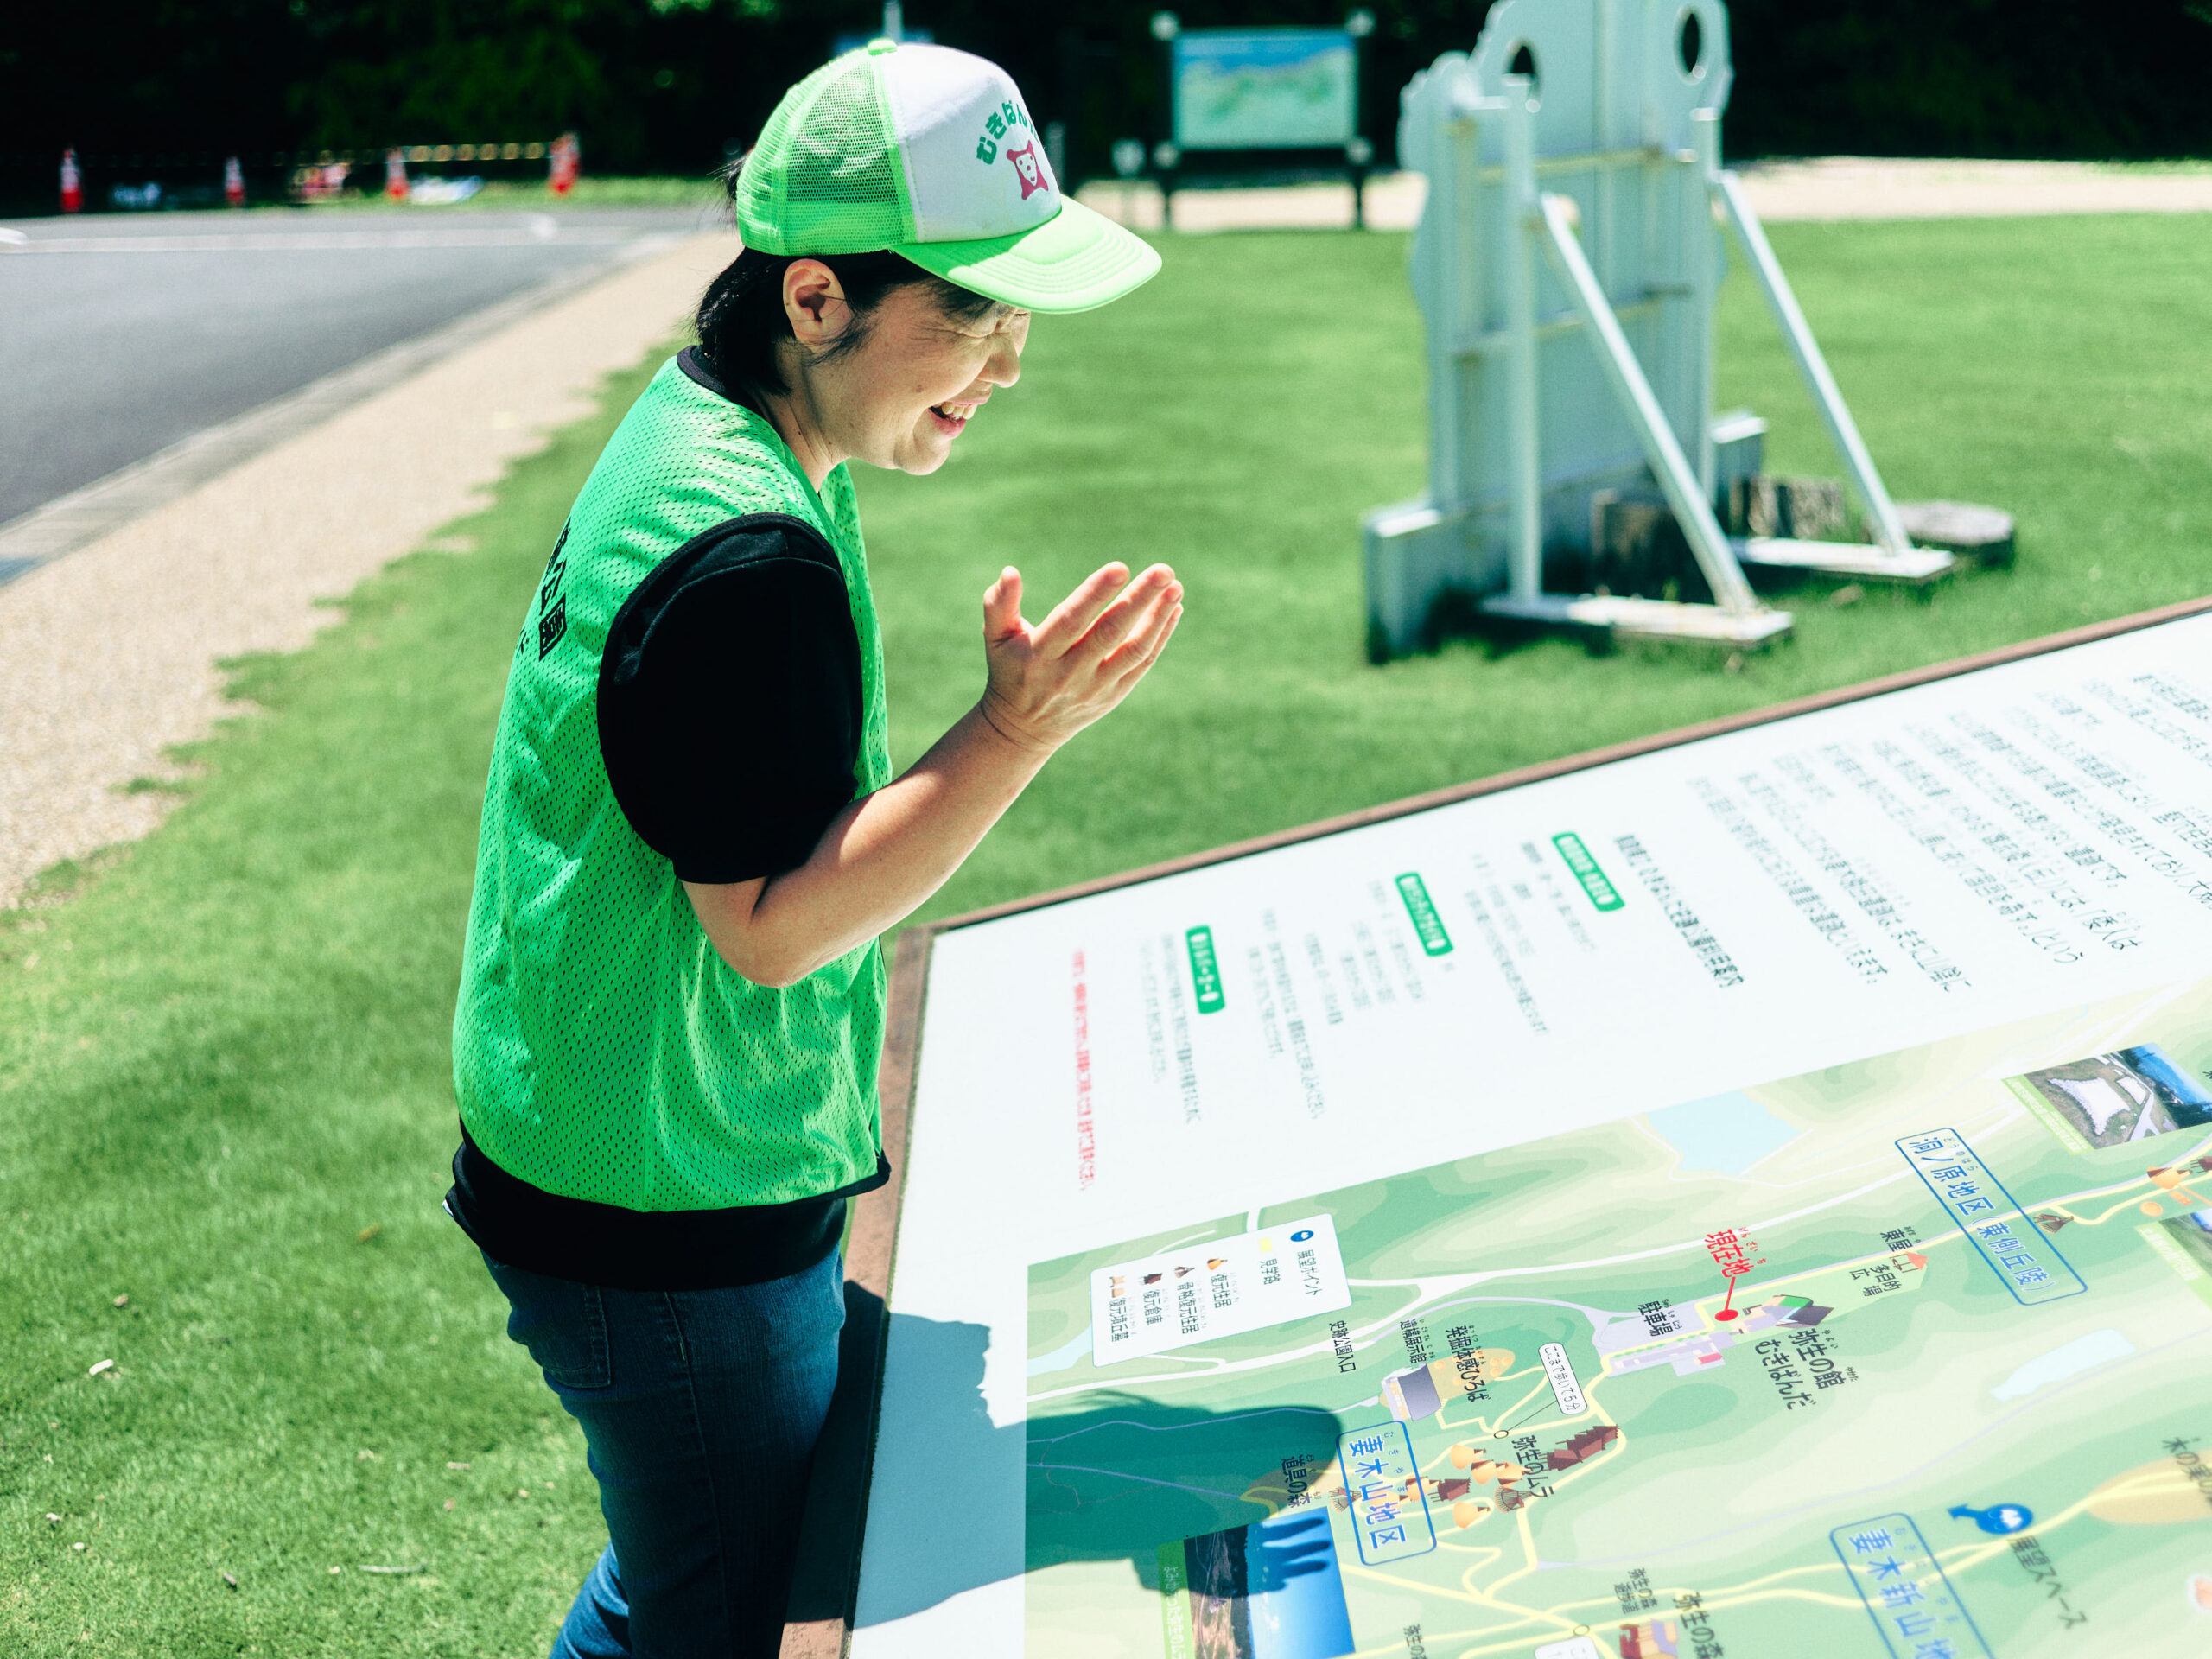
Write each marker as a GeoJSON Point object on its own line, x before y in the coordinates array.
{"type": "Point", "coordinates": [1692, 510]}
{"type": "Point", "coordinates": [1698, 235]}
{"type": "Point", "coordinates": [1797, 333]}
{"type": "Point", "coordinates": [1604, 137]}
{"type": "Point", "coordinates": [1525, 553]}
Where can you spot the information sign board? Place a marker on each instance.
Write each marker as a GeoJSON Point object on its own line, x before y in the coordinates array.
{"type": "Point", "coordinates": [1264, 89]}
{"type": "Point", "coordinates": [1756, 1194]}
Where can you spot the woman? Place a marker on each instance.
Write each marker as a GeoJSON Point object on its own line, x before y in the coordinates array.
{"type": "Point", "coordinates": [671, 1005]}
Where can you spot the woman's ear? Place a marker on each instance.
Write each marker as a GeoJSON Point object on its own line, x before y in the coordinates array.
{"type": "Point", "coordinates": [815, 302]}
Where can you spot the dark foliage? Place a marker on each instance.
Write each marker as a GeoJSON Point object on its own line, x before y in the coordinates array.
{"type": "Point", "coordinates": [160, 86]}
{"type": "Point", "coordinates": [2095, 79]}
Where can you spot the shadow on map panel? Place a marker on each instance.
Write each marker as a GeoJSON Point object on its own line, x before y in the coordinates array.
{"type": "Point", "coordinates": [963, 1464]}
{"type": "Point", "coordinates": [1128, 1474]}
{"type": "Point", "coordinates": [968, 1466]}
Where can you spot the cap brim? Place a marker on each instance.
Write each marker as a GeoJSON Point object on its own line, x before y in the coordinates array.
{"type": "Point", "coordinates": [1074, 261]}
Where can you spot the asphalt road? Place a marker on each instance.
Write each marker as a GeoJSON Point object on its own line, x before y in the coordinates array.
{"type": "Point", "coordinates": [121, 333]}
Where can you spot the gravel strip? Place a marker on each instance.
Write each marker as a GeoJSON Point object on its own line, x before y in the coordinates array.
{"type": "Point", "coordinates": [109, 653]}
{"type": "Point", "coordinates": [1859, 186]}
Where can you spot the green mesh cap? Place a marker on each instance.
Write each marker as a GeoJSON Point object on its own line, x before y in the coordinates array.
{"type": "Point", "coordinates": [930, 153]}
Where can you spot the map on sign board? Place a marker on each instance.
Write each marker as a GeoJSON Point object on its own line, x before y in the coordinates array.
{"type": "Point", "coordinates": [1264, 89]}
{"type": "Point", "coordinates": [1893, 1358]}
{"type": "Point", "coordinates": [1749, 1198]}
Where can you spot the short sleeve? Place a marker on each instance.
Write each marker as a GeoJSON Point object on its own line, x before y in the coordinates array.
{"type": "Point", "coordinates": [729, 700]}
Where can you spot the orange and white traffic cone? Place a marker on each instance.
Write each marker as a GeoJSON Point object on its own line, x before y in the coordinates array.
{"type": "Point", "coordinates": [566, 161]}
{"type": "Point", "coordinates": [233, 182]}
{"type": "Point", "coordinates": [72, 184]}
{"type": "Point", "coordinates": [395, 174]}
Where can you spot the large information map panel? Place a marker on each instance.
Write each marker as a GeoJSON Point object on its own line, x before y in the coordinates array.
{"type": "Point", "coordinates": [1751, 1198]}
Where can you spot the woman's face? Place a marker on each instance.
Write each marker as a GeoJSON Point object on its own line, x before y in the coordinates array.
{"type": "Point", "coordinates": [904, 397]}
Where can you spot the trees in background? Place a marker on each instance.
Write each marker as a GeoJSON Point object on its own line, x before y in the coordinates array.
{"type": "Point", "coordinates": [2111, 80]}
{"type": "Point", "coordinates": [668, 86]}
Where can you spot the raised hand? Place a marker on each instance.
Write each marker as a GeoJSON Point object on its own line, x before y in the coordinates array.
{"type": "Point", "coordinates": [1049, 680]}
{"type": "Point", "coordinates": [891, 849]}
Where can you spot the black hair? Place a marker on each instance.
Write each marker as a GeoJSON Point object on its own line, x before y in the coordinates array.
{"type": "Point", "coordinates": [741, 315]}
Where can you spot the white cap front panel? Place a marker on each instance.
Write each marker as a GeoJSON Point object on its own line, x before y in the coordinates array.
{"type": "Point", "coordinates": [976, 164]}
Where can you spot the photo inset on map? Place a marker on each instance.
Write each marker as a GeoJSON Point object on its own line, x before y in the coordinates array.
{"type": "Point", "coordinates": [2109, 1100]}
{"type": "Point", "coordinates": [2192, 1233]}
{"type": "Point", "coordinates": [1271, 1591]}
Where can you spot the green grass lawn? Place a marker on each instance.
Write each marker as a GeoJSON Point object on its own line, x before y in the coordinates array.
{"type": "Point", "coordinates": [223, 1052]}
{"type": "Point", "coordinates": [1237, 415]}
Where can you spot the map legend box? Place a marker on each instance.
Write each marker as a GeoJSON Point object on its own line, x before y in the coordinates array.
{"type": "Point", "coordinates": [1216, 1287]}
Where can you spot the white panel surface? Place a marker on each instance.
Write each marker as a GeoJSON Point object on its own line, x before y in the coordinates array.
{"type": "Point", "coordinates": [1887, 872]}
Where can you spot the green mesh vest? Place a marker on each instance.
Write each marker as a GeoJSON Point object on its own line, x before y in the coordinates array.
{"type": "Point", "coordinates": [601, 1049]}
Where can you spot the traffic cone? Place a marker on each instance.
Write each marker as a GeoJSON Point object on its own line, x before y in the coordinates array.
{"type": "Point", "coordinates": [233, 182]}
{"type": "Point", "coordinates": [566, 161]}
{"type": "Point", "coordinates": [395, 174]}
{"type": "Point", "coordinates": [72, 184]}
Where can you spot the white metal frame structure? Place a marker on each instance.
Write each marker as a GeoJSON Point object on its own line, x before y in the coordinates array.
{"type": "Point", "coordinates": [1567, 264]}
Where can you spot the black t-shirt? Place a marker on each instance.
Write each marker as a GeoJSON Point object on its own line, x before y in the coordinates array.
{"type": "Point", "coordinates": [729, 700]}
{"type": "Point", "coordinates": [730, 713]}
{"type": "Point", "coordinates": [729, 696]}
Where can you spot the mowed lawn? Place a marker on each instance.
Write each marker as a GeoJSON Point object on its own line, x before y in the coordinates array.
{"type": "Point", "coordinates": [224, 1090]}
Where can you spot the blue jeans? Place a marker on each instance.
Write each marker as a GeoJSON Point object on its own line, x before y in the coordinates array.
{"type": "Point", "coordinates": [700, 1410]}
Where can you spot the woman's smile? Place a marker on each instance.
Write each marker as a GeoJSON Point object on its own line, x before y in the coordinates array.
{"type": "Point", "coordinates": [952, 418]}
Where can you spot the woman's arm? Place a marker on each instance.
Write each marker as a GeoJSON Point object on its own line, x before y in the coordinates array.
{"type": "Point", "coordinates": [888, 852]}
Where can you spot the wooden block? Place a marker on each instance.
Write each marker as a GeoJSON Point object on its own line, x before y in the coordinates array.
{"type": "Point", "coordinates": [1790, 509]}
{"type": "Point", "coordinates": [1636, 547]}
{"type": "Point", "coordinates": [1982, 534]}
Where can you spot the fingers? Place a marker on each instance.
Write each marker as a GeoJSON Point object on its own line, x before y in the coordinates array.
{"type": "Point", "coordinates": [1055, 677]}
{"type": "Point", "coordinates": [1002, 606]}
{"type": "Point", "coordinates": [1126, 666]}
{"type": "Point", "coordinates": [1074, 616]}
{"type": "Point", "coordinates": [1133, 614]}
{"type": "Point", "coordinates": [1125, 616]}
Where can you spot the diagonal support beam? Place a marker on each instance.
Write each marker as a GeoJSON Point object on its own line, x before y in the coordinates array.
{"type": "Point", "coordinates": [1797, 335]}
{"type": "Point", "coordinates": [1525, 562]}
{"type": "Point", "coordinates": [1679, 483]}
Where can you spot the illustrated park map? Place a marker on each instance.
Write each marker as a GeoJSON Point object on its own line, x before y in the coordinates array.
{"type": "Point", "coordinates": [1904, 1357]}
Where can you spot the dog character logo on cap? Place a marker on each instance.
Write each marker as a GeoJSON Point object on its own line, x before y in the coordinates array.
{"type": "Point", "coordinates": [1024, 163]}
